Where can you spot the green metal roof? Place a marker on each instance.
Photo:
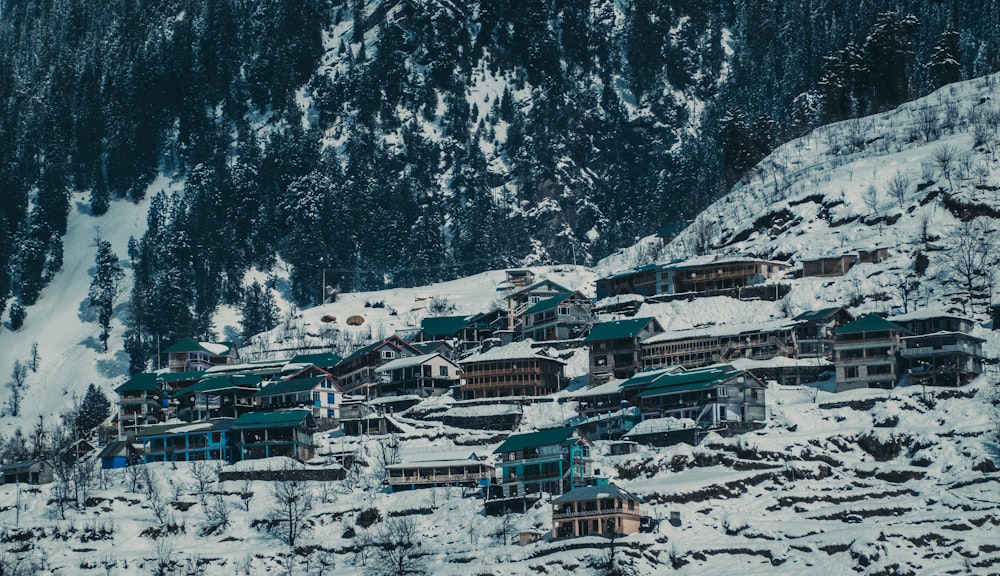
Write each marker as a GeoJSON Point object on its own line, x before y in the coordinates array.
{"type": "Point", "coordinates": [180, 376]}
{"type": "Point", "coordinates": [275, 419]}
{"type": "Point", "coordinates": [535, 439]}
{"type": "Point", "coordinates": [141, 382]}
{"type": "Point", "coordinates": [443, 325]}
{"type": "Point", "coordinates": [323, 359]}
{"type": "Point", "coordinates": [647, 376]}
{"type": "Point", "coordinates": [697, 379]}
{"type": "Point", "coordinates": [222, 382]}
{"type": "Point", "coordinates": [547, 304]}
{"type": "Point", "coordinates": [192, 345]}
{"type": "Point", "coordinates": [870, 323]}
{"type": "Point", "coordinates": [292, 386]}
{"type": "Point", "coordinates": [814, 315]}
{"type": "Point", "coordinates": [617, 329]}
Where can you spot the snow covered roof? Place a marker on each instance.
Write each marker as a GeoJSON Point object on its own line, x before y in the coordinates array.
{"type": "Point", "coordinates": [192, 345]}
{"type": "Point", "coordinates": [926, 314]}
{"type": "Point", "coordinates": [612, 387]}
{"type": "Point", "coordinates": [719, 330]}
{"type": "Point", "coordinates": [659, 426]}
{"type": "Point", "coordinates": [870, 323]}
{"type": "Point", "coordinates": [712, 259]}
{"type": "Point", "coordinates": [482, 410]}
{"type": "Point", "coordinates": [779, 362]}
{"type": "Point", "coordinates": [409, 361]}
{"type": "Point", "coordinates": [514, 351]}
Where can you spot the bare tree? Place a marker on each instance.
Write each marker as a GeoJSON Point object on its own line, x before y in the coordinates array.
{"type": "Point", "coordinates": [870, 198]}
{"type": "Point", "coordinates": [970, 260]}
{"type": "Point", "coordinates": [35, 358]}
{"type": "Point", "coordinates": [944, 158]}
{"type": "Point", "coordinates": [293, 501]}
{"type": "Point", "coordinates": [397, 549]}
{"type": "Point", "coordinates": [204, 473]}
{"type": "Point", "coordinates": [217, 514]}
{"type": "Point", "coordinates": [898, 185]}
{"type": "Point", "coordinates": [246, 492]}
{"type": "Point", "coordinates": [18, 375]}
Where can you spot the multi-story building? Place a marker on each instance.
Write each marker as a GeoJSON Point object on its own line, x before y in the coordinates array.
{"type": "Point", "coordinates": [279, 433]}
{"type": "Point", "coordinates": [942, 351]}
{"type": "Point", "coordinates": [356, 373]}
{"type": "Point", "coordinates": [615, 347]}
{"type": "Point", "coordinates": [319, 394]}
{"type": "Point", "coordinates": [421, 375]}
{"type": "Point", "coordinates": [698, 275]}
{"type": "Point", "coordinates": [189, 355]}
{"type": "Point", "coordinates": [814, 331]}
{"type": "Point", "coordinates": [553, 461]}
{"type": "Point", "coordinates": [595, 511]}
{"type": "Point", "coordinates": [562, 317]}
{"type": "Point", "coordinates": [516, 369]}
{"type": "Point", "coordinates": [866, 353]}
{"type": "Point", "coordinates": [709, 396]}
{"type": "Point", "coordinates": [699, 347]}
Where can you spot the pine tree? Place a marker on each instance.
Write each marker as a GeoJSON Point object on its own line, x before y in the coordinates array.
{"type": "Point", "coordinates": [17, 315]}
{"type": "Point", "coordinates": [105, 288]}
{"type": "Point", "coordinates": [260, 313]}
{"type": "Point", "coordinates": [946, 59]}
{"type": "Point", "coordinates": [94, 410]}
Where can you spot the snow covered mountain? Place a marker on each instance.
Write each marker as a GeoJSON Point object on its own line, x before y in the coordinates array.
{"type": "Point", "coordinates": [873, 482]}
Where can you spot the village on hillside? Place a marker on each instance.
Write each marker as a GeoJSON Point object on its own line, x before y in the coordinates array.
{"type": "Point", "coordinates": [644, 386]}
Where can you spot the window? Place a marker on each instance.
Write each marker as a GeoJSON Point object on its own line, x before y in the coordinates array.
{"type": "Point", "coordinates": [564, 310]}
{"type": "Point", "coordinates": [387, 354]}
{"type": "Point", "coordinates": [331, 398]}
{"type": "Point", "coordinates": [442, 370]}
{"type": "Point", "coordinates": [723, 391]}
{"type": "Point", "coordinates": [600, 360]}
{"type": "Point", "coordinates": [851, 372]}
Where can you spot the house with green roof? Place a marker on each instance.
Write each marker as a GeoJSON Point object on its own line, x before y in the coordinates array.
{"type": "Point", "coordinates": [711, 396]}
{"type": "Point", "coordinates": [356, 373]}
{"type": "Point", "coordinates": [563, 317]}
{"type": "Point", "coordinates": [615, 347]}
{"type": "Point", "coordinates": [520, 299]}
{"type": "Point", "coordinates": [279, 433]}
{"type": "Point", "coordinates": [188, 355]}
{"type": "Point", "coordinates": [553, 461]}
{"type": "Point", "coordinates": [814, 331]}
{"type": "Point", "coordinates": [224, 396]}
{"type": "Point", "coordinates": [141, 401]}
{"type": "Point", "coordinates": [866, 353]}
{"type": "Point", "coordinates": [319, 394]}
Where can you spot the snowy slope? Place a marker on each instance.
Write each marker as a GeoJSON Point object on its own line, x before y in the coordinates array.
{"type": "Point", "coordinates": [62, 323]}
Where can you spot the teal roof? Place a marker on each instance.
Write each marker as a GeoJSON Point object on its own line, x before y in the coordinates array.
{"type": "Point", "coordinates": [427, 347]}
{"type": "Point", "coordinates": [180, 376]}
{"type": "Point", "coordinates": [443, 325]}
{"type": "Point", "coordinates": [141, 382]}
{"type": "Point", "coordinates": [814, 315]}
{"type": "Point", "coordinates": [222, 383]}
{"type": "Point", "coordinates": [697, 379]}
{"type": "Point", "coordinates": [617, 329]}
{"type": "Point", "coordinates": [647, 376]}
{"type": "Point", "coordinates": [870, 323]}
{"type": "Point", "coordinates": [362, 351]}
{"type": "Point", "coordinates": [535, 439]}
{"type": "Point", "coordinates": [275, 419]}
{"type": "Point", "coordinates": [192, 345]}
{"type": "Point", "coordinates": [547, 304]}
{"type": "Point", "coordinates": [323, 359]}
{"type": "Point", "coordinates": [290, 386]}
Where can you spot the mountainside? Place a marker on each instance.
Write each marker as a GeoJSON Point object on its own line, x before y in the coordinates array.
{"type": "Point", "coordinates": [399, 142]}
{"type": "Point", "coordinates": [864, 482]}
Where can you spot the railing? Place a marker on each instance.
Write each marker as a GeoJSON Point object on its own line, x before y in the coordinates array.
{"type": "Point", "coordinates": [600, 512]}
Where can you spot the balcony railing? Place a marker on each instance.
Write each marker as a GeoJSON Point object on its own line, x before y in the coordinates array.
{"type": "Point", "coordinates": [601, 512]}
